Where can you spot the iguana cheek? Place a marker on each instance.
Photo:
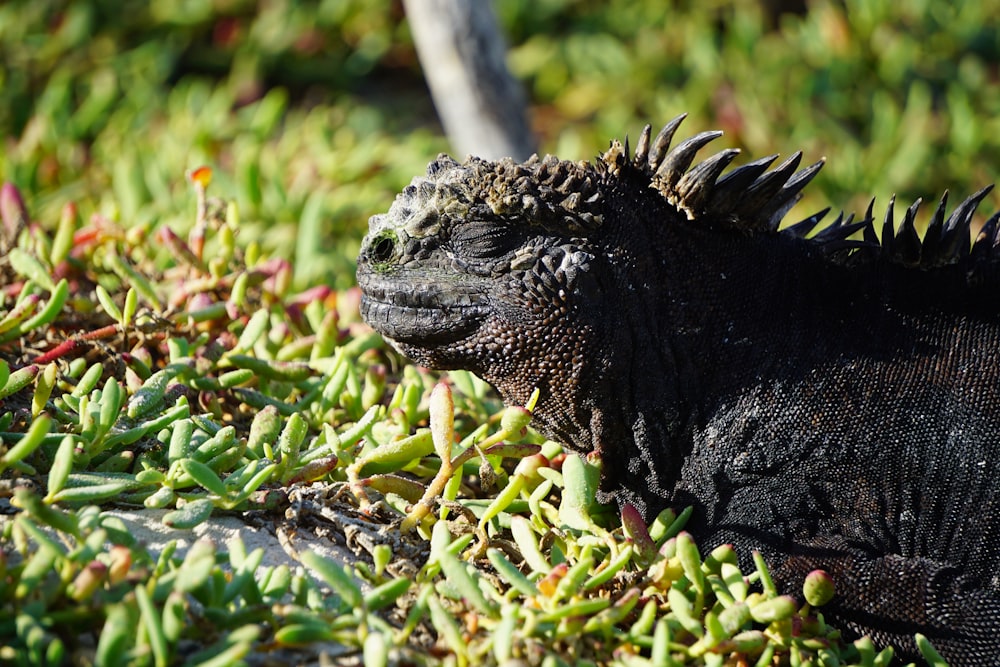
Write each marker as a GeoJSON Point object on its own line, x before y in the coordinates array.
{"type": "Point", "coordinates": [561, 275]}
{"type": "Point", "coordinates": [522, 260]}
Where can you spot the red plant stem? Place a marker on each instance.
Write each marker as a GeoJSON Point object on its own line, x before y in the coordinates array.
{"type": "Point", "coordinates": [60, 350]}
{"type": "Point", "coordinates": [99, 334]}
{"type": "Point", "coordinates": [71, 344]}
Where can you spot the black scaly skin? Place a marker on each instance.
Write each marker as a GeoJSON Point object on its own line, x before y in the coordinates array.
{"type": "Point", "coordinates": [833, 402]}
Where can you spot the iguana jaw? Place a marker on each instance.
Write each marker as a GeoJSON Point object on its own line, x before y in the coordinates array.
{"type": "Point", "coordinates": [420, 313]}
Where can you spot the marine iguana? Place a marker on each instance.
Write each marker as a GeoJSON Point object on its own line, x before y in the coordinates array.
{"type": "Point", "coordinates": [831, 397]}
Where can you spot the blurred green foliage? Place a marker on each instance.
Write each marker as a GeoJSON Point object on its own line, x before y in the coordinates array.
{"type": "Point", "coordinates": [901, 97]}
{"type": "Point", "coordinates": [314, 112]}
{"type": "Point", "coordinates": [110, 103]}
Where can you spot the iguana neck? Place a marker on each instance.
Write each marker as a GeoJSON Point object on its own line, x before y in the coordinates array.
{"type": "Point", "coordinates": [757, 311]}
{"type": "Point", "coordinates": [725, 314]}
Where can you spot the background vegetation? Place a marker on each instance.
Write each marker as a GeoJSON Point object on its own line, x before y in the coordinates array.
{"type": "Point", "coordinates": [312, 114]}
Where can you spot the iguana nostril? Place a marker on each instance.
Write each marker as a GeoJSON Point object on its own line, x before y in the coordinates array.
{"type": "Point", "coordinates": [382, 250]}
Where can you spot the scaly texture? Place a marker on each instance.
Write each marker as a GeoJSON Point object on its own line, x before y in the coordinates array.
{"type": "Point", "coordinates": [831, 401]}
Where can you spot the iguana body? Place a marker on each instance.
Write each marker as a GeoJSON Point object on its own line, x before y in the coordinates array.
{"type": "Point", "coordinates": [833, 402]}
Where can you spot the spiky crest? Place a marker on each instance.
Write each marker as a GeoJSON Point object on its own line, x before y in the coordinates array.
{"type": "Point", "coordinates": [754, 200]}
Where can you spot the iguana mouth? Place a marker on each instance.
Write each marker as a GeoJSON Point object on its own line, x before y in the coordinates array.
{"type": "Point", "coordinates": [420, 312]}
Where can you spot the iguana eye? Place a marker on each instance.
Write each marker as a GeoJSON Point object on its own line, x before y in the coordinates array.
{"type": "Point", "coordinates": [484, 240]}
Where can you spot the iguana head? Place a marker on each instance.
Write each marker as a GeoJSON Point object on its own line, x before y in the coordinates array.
{"type": "Point", "coordinates": [483, 265]}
